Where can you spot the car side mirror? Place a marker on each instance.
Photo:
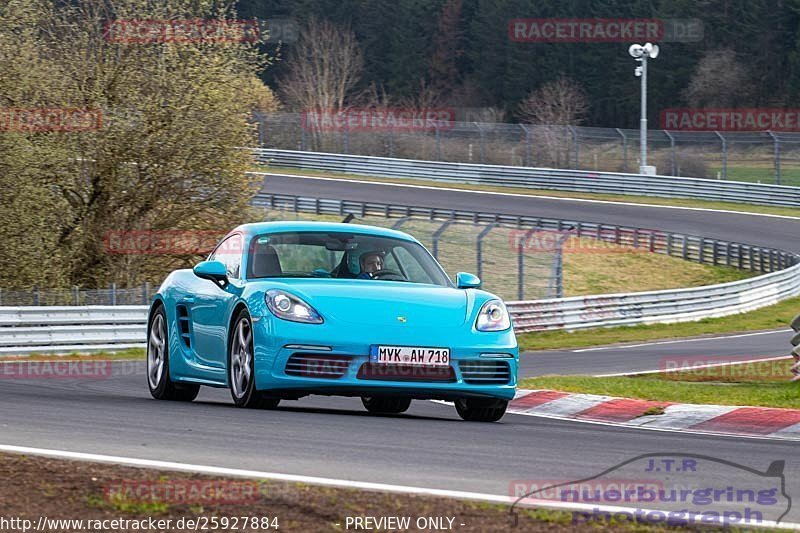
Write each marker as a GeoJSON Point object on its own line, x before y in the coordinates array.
{"type": "Point", "coordinates": [213, 270]}
{"type": "Point", "coordinates": [465, 280]}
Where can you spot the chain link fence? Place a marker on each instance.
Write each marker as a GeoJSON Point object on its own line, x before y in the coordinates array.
{"type": "Point", "coordinates": [113, 295]}
{"type": "Point", "coordinates": [763, 157]}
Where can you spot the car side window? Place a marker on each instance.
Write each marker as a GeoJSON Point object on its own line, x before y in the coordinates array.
{"type": "Point", "coordinates": [229, 253]}
{"type": "Point", "coordinates": [411, 266]}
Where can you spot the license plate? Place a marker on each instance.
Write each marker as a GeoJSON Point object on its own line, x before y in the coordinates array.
{"type": "Point", "coordinates": [410, 355]}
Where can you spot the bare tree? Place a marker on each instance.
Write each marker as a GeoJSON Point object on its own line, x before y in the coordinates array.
{"type": "Point", "coordinates": [719, 80]}
{"type": "Point", "coordinates": [554, 106]}
{"type": "Point", "coordinates": [325, 67]}
{"type": "Point", "coordinates": [558, 102]}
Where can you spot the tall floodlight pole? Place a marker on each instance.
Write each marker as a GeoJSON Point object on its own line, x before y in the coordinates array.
{"type": "Point", "coordinates": [641, 53]}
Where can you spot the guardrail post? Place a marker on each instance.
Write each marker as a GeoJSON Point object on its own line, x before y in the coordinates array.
{"type": "Point", "coordinates": [714, 254]}
{"type": "Point", "coordinates": [479, 247]}
{"type": "Point", "coordinates": [145, 292]}
{"type": "Point", "coordinates": [575, 143]}
{"type": "Point", "coordinates": [672, 157]}
{"type": "Point", "coordinates": [76, 295]}
{"type": "Point", "coordinates": [436, 235]}
{"type": "Point", "coordinates": [35, 295]}
{"type": "Point", "coordinates": [521, 265]}
{"type": "Point", "coordinates": [482, 136]}
{"type": "Point", "coordinates": [624, 149]}
{"type": "Point", "coordinates": [528, 146]}
{"type": "Point", "coordinates": [113, 293]}
{"type": "Point", "coordinates": [776, 145]}
{"type": "Point", "coordinates": [724, 155]}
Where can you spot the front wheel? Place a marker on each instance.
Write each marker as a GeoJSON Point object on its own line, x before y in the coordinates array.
{"type": "Point", "coordinates": [392, 406]}
{"type": "Point", "coordinates": [481, 409]}
{"type": "Point", "coordinates": [241, 367]}
{"type": "Point", "coordinates": [158, 380]}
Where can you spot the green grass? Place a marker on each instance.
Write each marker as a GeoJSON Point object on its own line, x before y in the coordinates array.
{"type": "Point", "coordinates": [653, 200]}
{"type": "Point", "coordinates": [764, 384]}
{"type": "Point", "coordinates": [772, 317]}
{"type": "Point", "coordinates": [131, 353]}
{"type": "Point", "coordinates": [762, 174]}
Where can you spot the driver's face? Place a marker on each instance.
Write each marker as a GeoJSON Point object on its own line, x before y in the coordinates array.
{"type": "Point", "coordinates": [372, 263]}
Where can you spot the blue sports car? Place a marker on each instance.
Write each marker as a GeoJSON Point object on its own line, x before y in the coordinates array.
{"type": "Point", "coordinates": [281, 310]}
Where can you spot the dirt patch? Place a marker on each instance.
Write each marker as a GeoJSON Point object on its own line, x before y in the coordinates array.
{"type": "Point", "coordinates": [38, 487]}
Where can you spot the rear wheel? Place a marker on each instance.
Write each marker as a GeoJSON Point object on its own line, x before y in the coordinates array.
{"type": "Point", "coordinates": [241, 367]}
{"type": "Point", "coordinates": [158, 380]}
{"type": "Point", "coordinates": [386, 405]}
{"type": "Point", "coordinates": [481, 409]}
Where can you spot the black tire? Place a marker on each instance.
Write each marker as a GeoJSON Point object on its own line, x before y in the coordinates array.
{"type": "Point", "coordinates": [241, 367]}
{"type": "Point", "coordinates": [481, 409]}
{"type": "Point", "coordinates": [157, 375]}
{"type": "Point", "coordinates": [386, 406]}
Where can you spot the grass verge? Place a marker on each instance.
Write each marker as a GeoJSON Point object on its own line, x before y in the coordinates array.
{"type": "Point", "coordinates": [59, 489]}
{"type": "Point", "coordinates": [775, 316]}
{"type": "Point", "coordinates": [763, 383]}
{"type": "Point", "coordinates": [131, 353]}
{"type": "Point", "coordinates": [653, 200]}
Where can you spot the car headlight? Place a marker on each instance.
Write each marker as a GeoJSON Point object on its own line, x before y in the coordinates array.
{"type": "Point", "coordinates": [289, 307]}
{"type": "Point", "coordinates": [493, 317]}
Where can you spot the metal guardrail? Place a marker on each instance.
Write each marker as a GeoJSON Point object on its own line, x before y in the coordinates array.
{"type": "Point", "coordinates": [68, 329]}
{"type": "Point", "coordinates": [536, 178]}
{"type": "Point", "coordinates": [688, 247]}
{"type": "Point", "coordinates": [71, 328]}
{"type": "Point", "coordinates": [755, 156]}
{"type": "Point", "coordinates": [656, 307]}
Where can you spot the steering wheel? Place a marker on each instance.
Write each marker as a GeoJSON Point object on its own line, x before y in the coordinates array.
{"type": "Point", "coordinates": [388, 274]}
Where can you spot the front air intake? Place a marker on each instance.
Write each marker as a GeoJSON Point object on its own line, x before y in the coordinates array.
{"type": "Point", "coordinates": [317, 366]}
{"type": "Point", "coordinates": [485, 372]}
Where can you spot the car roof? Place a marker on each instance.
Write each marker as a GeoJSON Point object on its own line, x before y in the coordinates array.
{"type": "Point", "coordinates": [258, 228]}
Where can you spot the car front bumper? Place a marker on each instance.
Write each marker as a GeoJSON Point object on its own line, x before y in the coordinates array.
{"type": "Point", "coordinates": [472, 372]}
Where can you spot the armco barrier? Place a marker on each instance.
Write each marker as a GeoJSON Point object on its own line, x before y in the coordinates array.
{"type": "Point", "coordinates": [688, 247]}
{"type": "Point", "coordinates": [536, 178]}
{"type": "Point", "coordinates": [69, 329]}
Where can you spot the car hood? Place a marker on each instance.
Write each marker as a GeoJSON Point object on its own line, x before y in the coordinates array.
{"type": "Point", "coordinates": [382, 303]}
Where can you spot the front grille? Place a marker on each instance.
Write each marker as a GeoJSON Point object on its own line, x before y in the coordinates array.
{"type": "Point", "coordinates": [383, 372]}
{"type": "Point", "coordinates": [485, 372]}
{"type": "Point", "coordinates": [317, 366]}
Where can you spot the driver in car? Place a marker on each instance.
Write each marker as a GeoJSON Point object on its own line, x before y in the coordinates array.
{"type": "Point", "coordinates": [371, 262]}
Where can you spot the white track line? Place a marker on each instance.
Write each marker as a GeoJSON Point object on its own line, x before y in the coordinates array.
{"type": "Point", "coordinates": [693, 367]}
{"type": "Point", "coordinates": [677, 341]}
{"type": "Point", "coordinates": [520, 195]}
{"type": "Point", "coordinates": [343, 483]}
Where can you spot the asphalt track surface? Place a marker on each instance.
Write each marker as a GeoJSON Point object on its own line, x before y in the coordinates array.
{"type": "Point", "coordinates": [775, 232]}
{"type": "Point", "coordinates": [334, 437]}
{"type": "Point", "coordinates": [429, 446]}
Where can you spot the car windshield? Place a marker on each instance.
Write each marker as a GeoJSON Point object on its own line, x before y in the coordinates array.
{"type": "Point", "coordinates": [342, 255]}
